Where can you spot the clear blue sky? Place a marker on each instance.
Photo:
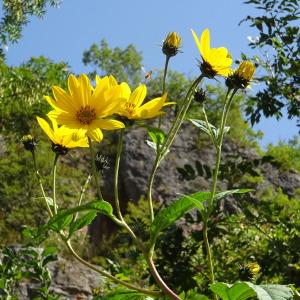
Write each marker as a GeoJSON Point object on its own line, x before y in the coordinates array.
{"type": "Point", "coordinates": [64, 33]}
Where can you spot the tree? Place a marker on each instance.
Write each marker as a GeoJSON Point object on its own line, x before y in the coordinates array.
{"type": "Point", "coordinates": [279, 39]}
{"type": "Point", "coordinates": [125, 64]}
{"type": "Point", "coordinates": [15, 16]}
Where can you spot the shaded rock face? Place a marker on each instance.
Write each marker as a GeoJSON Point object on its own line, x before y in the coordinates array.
{"type": "Point", "coordinates": [137, 160]}
{"type": "Point", "coordinates": [70, 280]}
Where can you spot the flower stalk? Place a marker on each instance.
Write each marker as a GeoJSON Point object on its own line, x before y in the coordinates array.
{"type": "Point", "coordinates": [218, 145]}
{"type": "Point", "coordinates": [94, 170]}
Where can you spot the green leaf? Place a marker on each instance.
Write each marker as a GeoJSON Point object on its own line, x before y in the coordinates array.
{"type": "Point", "coordinates": [156, 135]}
{"type": "Point", "coordinates": [176, 210]}
{"type": "Point", "coordinates": [211, 130]}
{"type": "Point", "coordinates": [82, 221]}
{"type": "Point", "coordinates": [230, 192]}
{"type": "Point", "coordinates": [245, 290]}
{"type": "Point", "coordinates": [64, 217]}
{"type": "Point", "coordinates": [237, 291]}
{"type": "Point", "coordinates": [125, 294]}
{"type": "Point", "coordinates": [272, 291]}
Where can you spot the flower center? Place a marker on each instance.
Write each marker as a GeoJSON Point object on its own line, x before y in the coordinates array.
{"type": "Point", "coordinates": [129, 107]}
{"type": "Point", "coordinates": [86, 115]}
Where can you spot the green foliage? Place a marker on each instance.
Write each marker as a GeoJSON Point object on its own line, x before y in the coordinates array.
{"type": "Point", "coordinates": [279, 38]}
{"type": "Point", "coordinates": [66, 217]}
{"type": "Point", "coordinates": [286, 154]}
{"type": "Point", "coordinates": [22, 90]}
{"type": "Point", "coordinates": [167, 216]}
{"type": "Point", "coordinates": [24, 263]}
{"type": "Point", "coordinates": [124, 294]}
{"type": "Point", "coordinates": [16, 15]}
{"type": "Point", "coordinates": [124, 64]}
{"type": "Point", "coordinates": [246, 290]}
{"type": "Point", "coordinates": [240, 131]}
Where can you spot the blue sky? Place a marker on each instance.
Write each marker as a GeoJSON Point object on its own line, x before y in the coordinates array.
{"type": "Point", "coordinates": [64, 33]}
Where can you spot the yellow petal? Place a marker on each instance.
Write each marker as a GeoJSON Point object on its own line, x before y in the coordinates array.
{"type": "Point", "coordinates": [47, 129]}
{"type": "Point", "coordinates": [154, 105]}
{"type": "Point", "coordinates": [125, 91]}
{"type": "Point", "coordinates": [63, 100]}
{"type": "Point", "coordinates": [196, 40]}
{"type": "Point", "coordinates": [95, 134]}
{"type": "Point", "coordinates": [85, 89]}
{"type": "Point", "coordinates": [112, 81]}
{"type": "Point", "coordinates": [138, 95]}
{"type": "Point", "coordinates": [205, 43]}
{"type": "Point", "coordinates": [108, 124]}
{"type": "Point", "coordinates": [53, 103]}
{"type": "Point", "coordinates": [64, 118]}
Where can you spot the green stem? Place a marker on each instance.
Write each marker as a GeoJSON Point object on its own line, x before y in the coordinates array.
{"type": "Point", "coordinates": [209, 254]}
{"type": "Point", "coordinates": [108, 275]}
{"type": "Point", "coordinates": [165, 74]}
{"type": "Point", "coordinates": [164, 85]}
{"type": "Point", "coordinates": [94, 169]}
{"type": "Point", "coordinates": [82, 191]}
{"type": "Point", "coordinates": [162, 150]}
{"type": "Point", "coordinates": [180, 117]}
{"type": "Point", "coordinates": [41, 185]}
{"type": "Point", "coordinates": [123, 223]}
{"type": "Point", "coordinates": [218, 145]}
{"type": "Point", "coordinates": [54, 182]}
{"type": "Point", "coordinates": [116, 179]}
{"type": "Point", "coordinates": [219, 149]}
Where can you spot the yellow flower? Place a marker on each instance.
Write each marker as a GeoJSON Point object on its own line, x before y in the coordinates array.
{"type": "Point", "coordinates": [83, 108]}
{"type": "Point", "coordinates": [171, 44]}
{"type": "Point", "coordinates": [249, 271]}
{"type": "Point", "coordinates": [131, 103]}
{"type": "Point", "coordinates": [240, 78]}
{"type": "Point", "coordinates": [216, 61]}
{"type": "Point", "coordinates": [60, 137]}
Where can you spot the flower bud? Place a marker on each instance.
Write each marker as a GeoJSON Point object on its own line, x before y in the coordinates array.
{"type": "Point", "coordinates": [241, 77]}
{"type": "Point", "coordinates": [29, 142]}
{"type": "Point", "coordinates": [171, 44]}
{"type": "Point", "coordinates": [249, 271]}
{"type": "Point", "coordinates": [199, 96]}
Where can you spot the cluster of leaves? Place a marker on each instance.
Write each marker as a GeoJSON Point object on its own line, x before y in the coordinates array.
{"type": "Point", "coordinates": [16, 15]}
{"type": "Point", "coordinates": [279, 38]}
{"type": "Point", "coordinates": [125, 64]}
{"type": "Point", "coordinates": [19, 264]}
{"type": "Point", "coordinates": [286, 154]}
{"type": "Point", "coordinates": [22, 90]}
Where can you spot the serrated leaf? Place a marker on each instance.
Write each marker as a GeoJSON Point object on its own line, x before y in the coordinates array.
{"type": "Point", "coordinates": [237, 291]}
{"type": "Point", "coordinates": [167, 216]}
{"type": "Point", "coordinates": [272, 291]}
{"type": "Point", "coordinates": [64, 217]}
{"type": "Point", "coordinates": [82, 221]}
